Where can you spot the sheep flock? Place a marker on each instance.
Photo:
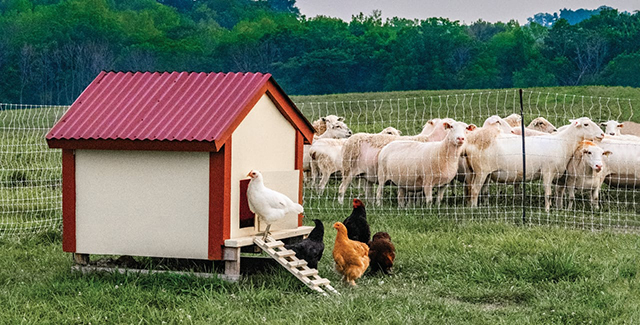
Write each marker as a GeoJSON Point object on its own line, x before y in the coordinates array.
{"type": "Point", "coordinates": [580, 155]}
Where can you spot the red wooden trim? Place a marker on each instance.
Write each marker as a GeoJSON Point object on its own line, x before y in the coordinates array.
{"type": "Point", "coordinates": [290, 111]}
{"type": "Point", "coordinates": [125, 144]}
{"type": "Point", "coordinates": [68, 200]}
{"type": "Point", "coordinates": [219, 200]}
{"type": "Point", "coordinates": [243, 113]}
{"type": "Point", "coordinates": [298, 167]}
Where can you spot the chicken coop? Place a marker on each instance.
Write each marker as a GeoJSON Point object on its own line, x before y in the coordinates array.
{"type": "Point", "coordinates": [155, 164]}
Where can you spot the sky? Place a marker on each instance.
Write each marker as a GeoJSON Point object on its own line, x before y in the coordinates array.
{"type": "Point", "coordinates": [466, 11]}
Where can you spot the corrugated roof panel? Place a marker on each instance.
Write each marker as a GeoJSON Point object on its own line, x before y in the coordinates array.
{"type": "Point", "coordinates": [177, 106]}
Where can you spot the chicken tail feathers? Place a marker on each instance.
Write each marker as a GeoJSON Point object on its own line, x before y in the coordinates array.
{"type": "Point", "coordinates": [297, 208]}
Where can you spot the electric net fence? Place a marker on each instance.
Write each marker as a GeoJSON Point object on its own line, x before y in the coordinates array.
{"type": "Point", "coordinates": [30, 172]}
{"type": "Point", "coordinates": [508, 191]}
{"type": "Point", "coordinates": [31, 186]}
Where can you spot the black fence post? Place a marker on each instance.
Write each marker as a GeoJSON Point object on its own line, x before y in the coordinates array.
{"type": "Point", "coordinates": [524, 164]}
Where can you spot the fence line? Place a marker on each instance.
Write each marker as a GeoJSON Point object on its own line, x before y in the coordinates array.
{"type": "Point", "coordinates": [618, 206]}
{"type": "Point", "coordinates": [30, 172]}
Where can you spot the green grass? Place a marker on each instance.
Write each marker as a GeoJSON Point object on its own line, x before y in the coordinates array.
{"type": "Point", "coordinates": [445, 272]}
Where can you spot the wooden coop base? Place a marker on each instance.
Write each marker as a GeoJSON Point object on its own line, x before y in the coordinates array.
{"type": "Point", "coordinates": [86, 269]}
{"type": "Point", "coordinates": [231, 258]}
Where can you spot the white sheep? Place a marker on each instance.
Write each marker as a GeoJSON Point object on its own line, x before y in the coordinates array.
{"type": "Point", "coordinates": [415, 166]}
{"type": "Point", "coordinates": [320, 126]}
{"type": "Point", "coordinates": [336, 128]}
{"type": "Point", "coordinates": [360, 153]}
{"type": "Point", "coordinates": [623, 167]}
{"type": "Point", "coordinates": [585, 171]}
{"type": "Point", "coordinates": [539, 126]}
{"type": "Point", "coordinates": [612, 127]}
{"type": "Point", "coordinates": [500, 155]}
{"type": "Point", "coordinates": [613, 131]}
{"type": "Point", "coordinates": [514, 120]}
{"type": "Point", "coordinates": [542, 124]}
{"type": "Point", "coordinates": [326, 157]}
{"type": "Point", "coordinates": [499, 125]}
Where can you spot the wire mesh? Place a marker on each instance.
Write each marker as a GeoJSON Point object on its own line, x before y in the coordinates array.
{"type": "Point", "coordinates": [357, 164]}
{"type": "Point", "coordinates": [31, 189]}
{"type": "Point", "coordinates": [30, 172]}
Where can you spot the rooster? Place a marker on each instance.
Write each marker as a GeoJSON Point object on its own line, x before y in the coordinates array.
{"type": "Point", "coordinates": [268, 204]}
{"type": "Point", "coordinates": [381, 253]}
{"type": "Point", "coordinates": [351, 257]}
{"type": "Point", "coordinates": [356, 223]}
{"type": "Point", "coordinates": [312, 247]}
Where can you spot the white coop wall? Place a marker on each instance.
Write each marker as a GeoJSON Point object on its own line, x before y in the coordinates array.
{"type": "Point", "coordinates": [265, 141]}
{"type": "Point", "coordinates": [144, 203]}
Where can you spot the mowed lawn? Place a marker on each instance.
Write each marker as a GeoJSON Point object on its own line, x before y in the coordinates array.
{"type": "Point", "coordinates": [446, 272]}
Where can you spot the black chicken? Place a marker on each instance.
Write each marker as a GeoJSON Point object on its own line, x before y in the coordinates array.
{"type": "Point", "coordinates": [312, 247]}
{"type": "Point", "coordinates": [356, 223]}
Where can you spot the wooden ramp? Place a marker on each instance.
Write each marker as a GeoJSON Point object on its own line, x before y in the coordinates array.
{"type": "Point", "coordinates": [287, 258]}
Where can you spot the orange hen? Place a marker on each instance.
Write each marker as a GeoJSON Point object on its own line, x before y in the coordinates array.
{"type": "Point", "coordinates": [351, 257]}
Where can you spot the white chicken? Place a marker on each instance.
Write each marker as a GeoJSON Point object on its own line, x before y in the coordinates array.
{"type": "Point", "coordinates": [268, 204]}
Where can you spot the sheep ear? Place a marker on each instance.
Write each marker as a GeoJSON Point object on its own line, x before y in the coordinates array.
{"type": "Point", "coordinates": [324, 119]}
{"type": "Point", "coordinates": [471, 127]}
{"type": "Point", "coordinates": [430, 122]}
{"type": "Point", "coordinates": [607, 153]}
{"type": "Point", "coordinates": [620, 125]}
{"type": "Point", "coordinates": [341, 119]}
{"type": "Point", "coordinates": [603, 124]}
{"type": "Point", "coordinates": [447, 126]}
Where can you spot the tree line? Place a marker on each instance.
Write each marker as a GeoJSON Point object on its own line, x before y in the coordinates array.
{"type": "Point", "coordinates": [50, 49]}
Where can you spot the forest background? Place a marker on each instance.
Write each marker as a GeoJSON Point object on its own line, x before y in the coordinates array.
{"type": "Point", "coordinates": [50, 49]}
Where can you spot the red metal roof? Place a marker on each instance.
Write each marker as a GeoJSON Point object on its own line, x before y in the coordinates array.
{"type": "Point", "coordinates": [177, 106]}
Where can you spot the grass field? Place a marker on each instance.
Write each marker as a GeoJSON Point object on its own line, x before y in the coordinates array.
{"type": "Point", "coordinates": [446, 272]}
{"type": "Point", "coordinates": [454, 265]}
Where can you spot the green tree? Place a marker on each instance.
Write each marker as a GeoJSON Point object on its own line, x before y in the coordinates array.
{"type": "Point", "coordinates": [623, 70]}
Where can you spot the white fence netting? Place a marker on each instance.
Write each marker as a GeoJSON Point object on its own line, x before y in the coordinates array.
{"type": "Point", "coordinates": [408, 168]}
{"type": "Point", "coordinates": [30, 172]}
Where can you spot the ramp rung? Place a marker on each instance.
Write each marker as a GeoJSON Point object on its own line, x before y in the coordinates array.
{"type": "Point", "coordinates": [320, 282]}
{"type": "Point", "coordinates": [309, 272]}
{"type": "Point", "coordinates": [275, 244]}
{"type": "Point", "coordinates": [298, 263]}
{"type": "Point", "coordinates": [286, 253]}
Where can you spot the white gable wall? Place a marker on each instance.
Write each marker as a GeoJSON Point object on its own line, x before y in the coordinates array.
{"type": "Point", "coordinates": [265, 141]}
